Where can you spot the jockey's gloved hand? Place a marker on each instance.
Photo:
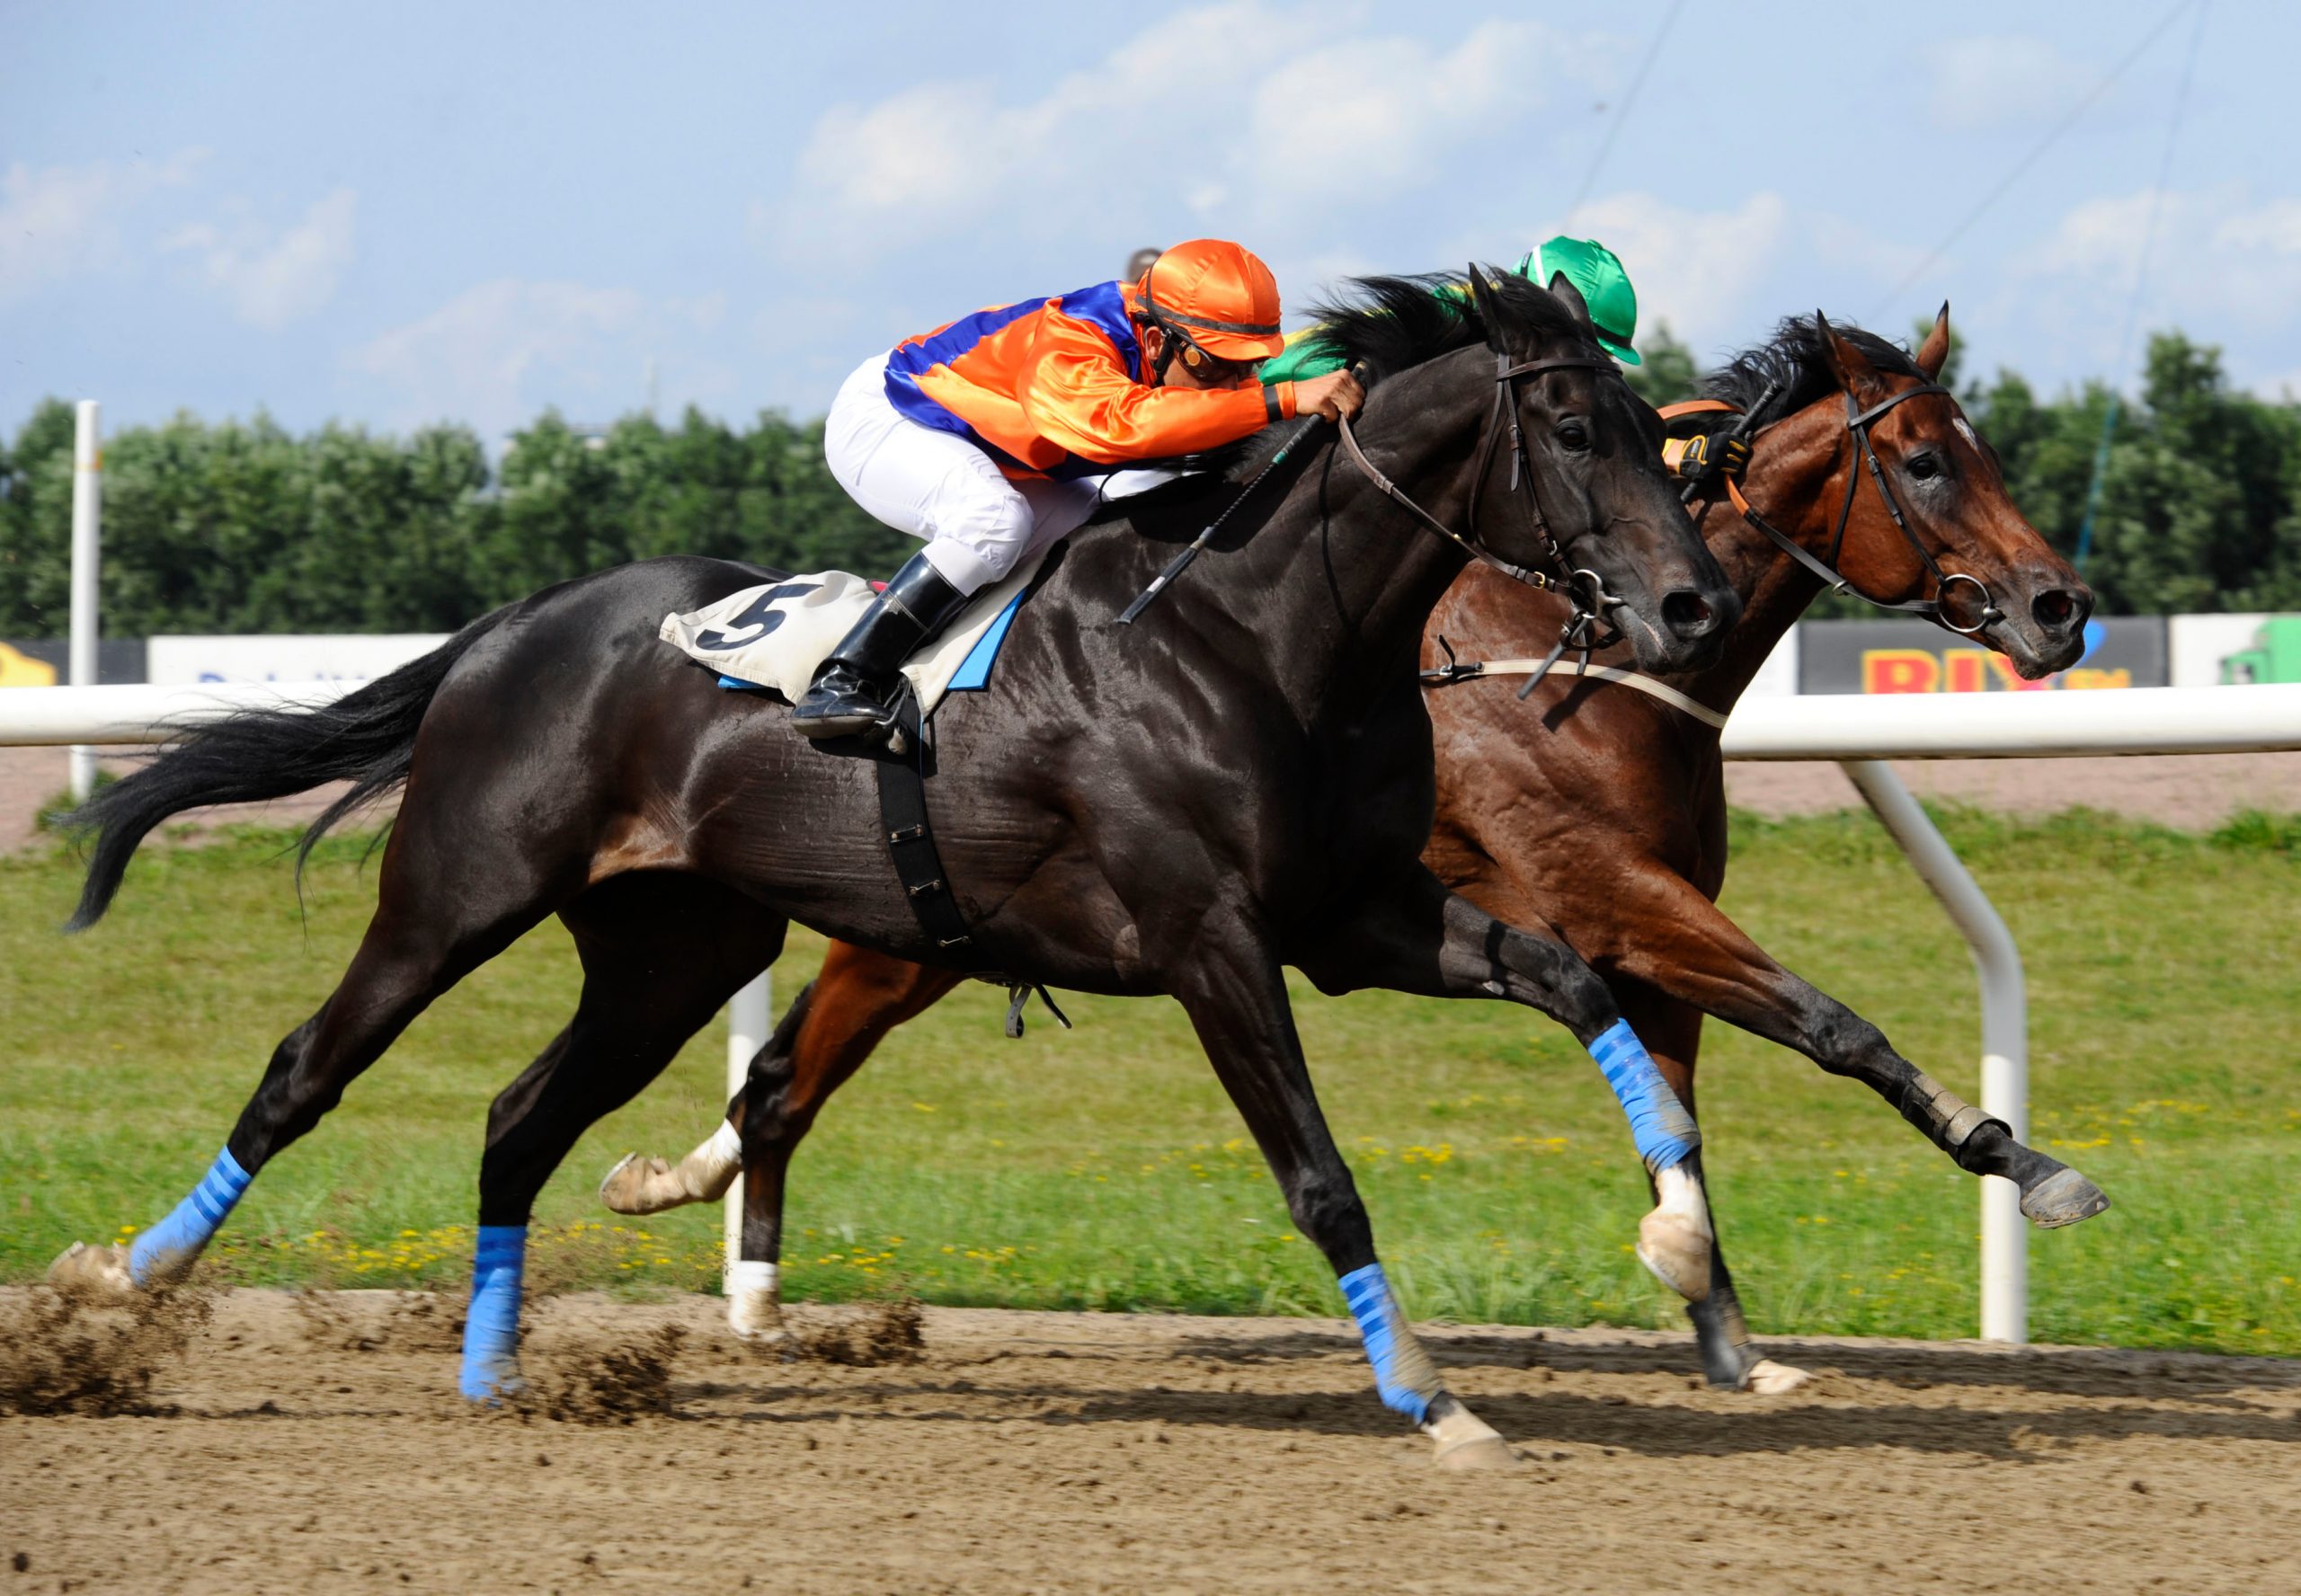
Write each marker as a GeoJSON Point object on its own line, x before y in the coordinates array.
{"type": "Point", "coordinates": [1707, 457]}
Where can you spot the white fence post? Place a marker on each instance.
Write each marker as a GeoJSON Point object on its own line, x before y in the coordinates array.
{"type": "Point", "coordinates": [88, 541]}
{"type": "Point", "coordinates": [2005, 1037]}
{"type": "Point", "coordinates": [747, 1029]}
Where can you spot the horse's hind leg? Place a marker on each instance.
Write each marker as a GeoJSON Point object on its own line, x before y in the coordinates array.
{"type": "Point", "coordinates": [835, 1025]}
{"type": "Point", "coordinates": [1672, 1031]}
{"type": "Point", "coordinates": [438, 917]}
{"type": "Point", "coordinates": [660, 953]}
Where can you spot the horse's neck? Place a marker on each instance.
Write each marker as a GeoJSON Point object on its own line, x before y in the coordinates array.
{"type": "Point", "coordinates": [1798, 482]}
{"type": "Point", "coordinates": [1340, 582]}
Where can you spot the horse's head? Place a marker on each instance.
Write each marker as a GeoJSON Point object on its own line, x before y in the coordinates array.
{"type": "Point", "coordinates": [1597, 486]}
{"type": "Point", "coordinates": [1959, 541]}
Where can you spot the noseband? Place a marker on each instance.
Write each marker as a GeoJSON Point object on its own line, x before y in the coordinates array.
{"type": "Point", "coordinates": [1584, 588]}
{"type": "Point", "coordinates": [1858, 422]}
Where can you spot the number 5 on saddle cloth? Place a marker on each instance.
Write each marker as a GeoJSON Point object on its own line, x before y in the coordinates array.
{"type": "Point", "coordinates": [771, 637]}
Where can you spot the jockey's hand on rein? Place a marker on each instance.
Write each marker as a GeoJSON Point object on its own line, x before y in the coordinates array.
{"type": "Point", "coordinates": [1333, 395]}
{"type": "Point", "coordinates": [1707, 455]}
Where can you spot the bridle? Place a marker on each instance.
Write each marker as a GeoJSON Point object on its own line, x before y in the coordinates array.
{"type": "Point", "coordinates": [1584, 589]}
{"type": "Point", "coordinates": [1858, 422]}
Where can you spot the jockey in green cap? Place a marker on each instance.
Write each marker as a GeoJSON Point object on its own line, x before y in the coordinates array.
{"type": "Point", "coordinates": [1597, 272]}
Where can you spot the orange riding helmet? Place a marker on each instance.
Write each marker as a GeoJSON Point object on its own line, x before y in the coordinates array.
{"type": "Point", "coordinates": [1215, 294]}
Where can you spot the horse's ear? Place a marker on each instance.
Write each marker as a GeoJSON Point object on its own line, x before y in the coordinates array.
{"type": "Point", "coordinates": [1489, 309]}
{"type": "Point", "coordinates": [1562, 289]}
{"type": "Point", "coordinates": [1848, 364]}
{"type": "Point", "coordinates": [1935, 350]}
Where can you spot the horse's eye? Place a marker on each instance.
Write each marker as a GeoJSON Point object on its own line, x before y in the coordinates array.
{"type": "Point", "coordinates": [1924, 467]}
{"type": "Point", "coordinates": [1575, 436]}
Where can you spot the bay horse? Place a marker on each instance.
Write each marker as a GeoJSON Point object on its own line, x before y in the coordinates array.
{"type": "Point", "coordinates": [1599, 810]}
{"type": "Point", "coordinates": [1181, 807]}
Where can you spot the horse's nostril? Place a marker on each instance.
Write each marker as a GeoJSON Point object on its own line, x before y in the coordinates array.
{"type": "Point", "coordinates": [2056, 609]}
{"type": "Point", "coordinates": [1687, 613]}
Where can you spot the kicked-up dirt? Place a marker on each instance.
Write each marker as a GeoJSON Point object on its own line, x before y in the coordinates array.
{"type": "Point", "coordinates": [314, 1443]}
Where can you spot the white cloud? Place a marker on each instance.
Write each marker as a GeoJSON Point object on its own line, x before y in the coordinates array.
{"type": "Point", "coordinates": [1694, 268]}
{"type": "Point", "coordinates": [2001, 80]}
{"type": "Point", "coordinates": [499, 353]}
{"type": "Point", "coordinates": [1220, 114]}
{"type": "Point", "coordinates": [274, 278]}
{"type": "Point", "coordinates": [55, 221]}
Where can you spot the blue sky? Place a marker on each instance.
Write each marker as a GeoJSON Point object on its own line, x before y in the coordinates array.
{"type": "Point", "coordinates": [391, 215]}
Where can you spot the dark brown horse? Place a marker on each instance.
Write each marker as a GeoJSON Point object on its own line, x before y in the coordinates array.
{"type": "Point", "coordinates": [1238, 782]}
{"type": "Point", "coordinates": [1601, 811]}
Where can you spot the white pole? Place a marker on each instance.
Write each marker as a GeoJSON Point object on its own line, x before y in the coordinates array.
{"type": "Point", "coordinates": [747, 1029]}
{"type": "Point", "coordinates": [87, 538]}
{"type": "Point", "coordinates": [2005, 1037]}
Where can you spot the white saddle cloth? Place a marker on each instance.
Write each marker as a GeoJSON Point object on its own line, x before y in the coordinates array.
{"type": "Point", "coordinates": [775, 634]}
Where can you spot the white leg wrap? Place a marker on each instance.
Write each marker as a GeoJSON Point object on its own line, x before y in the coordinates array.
{"type": "Point", "coordinates": [754, 1304]}
{"type": "Point", "coordinates": [710, 1170]}
{"type": "Point", "coordinates": [1675, 1241]}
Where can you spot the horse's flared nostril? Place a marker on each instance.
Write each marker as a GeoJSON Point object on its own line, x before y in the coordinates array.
{"type": "Point", "coordinates": [1688, 614]}
{"type": "Point", "coordinates": [2060, 610]}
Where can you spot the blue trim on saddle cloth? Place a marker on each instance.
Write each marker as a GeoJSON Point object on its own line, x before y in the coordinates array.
{"type": "Point", "coordinates": [736, 684]}
{"type": "Point", "coordinates": [491, 1365]}
{"type": "Point", "coordinates": [975, 671]}
{"type": "Point", "coordinates": [1664, 1131]}
{"type": "Point", "coordinates": [1368, 1293]}
{"type": "Point", "coordinates": [175, 1241]}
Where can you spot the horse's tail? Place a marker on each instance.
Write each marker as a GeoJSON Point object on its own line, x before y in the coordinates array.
{"type": "Point", "coordinates": [367, 738]}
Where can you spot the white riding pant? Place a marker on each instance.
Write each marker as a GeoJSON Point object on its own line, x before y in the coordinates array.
{"type": "Point", "coordinates": [978, 524]}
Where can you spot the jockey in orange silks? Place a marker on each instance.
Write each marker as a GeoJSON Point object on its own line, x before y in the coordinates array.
{"type": "Point", "coordinates": [989, 437]}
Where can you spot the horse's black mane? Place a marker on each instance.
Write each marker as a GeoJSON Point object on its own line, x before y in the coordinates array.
{"type": "Point", "coordinates": [1392, 323]}
{"type": "Point", "coordinates": [1794, 360]}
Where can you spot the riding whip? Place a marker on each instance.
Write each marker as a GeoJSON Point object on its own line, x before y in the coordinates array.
{"type": "Point", "coordinates": [1181, 563]}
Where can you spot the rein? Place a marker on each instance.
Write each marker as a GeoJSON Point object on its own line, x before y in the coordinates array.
{"type": "Point", "coordinates": [1858, 422]}
{"type": "Point", "coordinates": [1584, 627]}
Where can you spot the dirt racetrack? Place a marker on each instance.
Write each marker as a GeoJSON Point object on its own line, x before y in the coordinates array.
{"type": "Point", "coordinates": [313, 1444]}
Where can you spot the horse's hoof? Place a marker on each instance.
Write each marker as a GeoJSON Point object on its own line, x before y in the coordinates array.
{"type": "Point", "coordinates": [642, 1185]}
{"type": "Point", "coordinates": [1767, 1378]}
{"type": "Point", "coordinates": [757, 1316]}
{"type": "Point", "coordinates": [1677, 1250]}
{"type": "Point", "coordinates": [2062, 1198]}
{"type": "Point", "coordinates": [98, 1271]}
{"type": "Point", "coordinates": [1466, 1443]}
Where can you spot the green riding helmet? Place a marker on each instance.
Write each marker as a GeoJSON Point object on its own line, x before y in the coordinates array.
{"type": "Point", "coordinates": [1589, 265]}
{"type": "Point", "coordinates": [1597, 272]}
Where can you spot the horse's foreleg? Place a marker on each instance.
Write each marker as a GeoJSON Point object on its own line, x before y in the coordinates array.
{"type": "Point", "coordinates": [1704, 959]}
{"type": "Point", "coordinates": [822, 1042]}
{"type": "Point", "coordinates": [1419, 937]}
{"type": "Point", "coordinates": [1236, 997]}
{"type": "Point", "coordinates": [1673, 1031]}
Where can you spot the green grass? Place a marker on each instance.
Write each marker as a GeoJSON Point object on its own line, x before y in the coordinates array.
{"type": "Point", "coordinates": [1103, 1169]}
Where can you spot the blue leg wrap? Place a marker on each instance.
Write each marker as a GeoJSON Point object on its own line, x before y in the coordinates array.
{"type": "Point", "coordinates": [1383, 1328]}
{"type": "Point", "coordinates": [169, 1247]}
{"type": "Point", "coordinates": [492, 1327]}
{"type": "Point", "coordinates": [1665, 1132]}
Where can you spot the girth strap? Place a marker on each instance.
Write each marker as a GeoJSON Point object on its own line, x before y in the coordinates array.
{"type": "Point", "coordinates": [918, 867]}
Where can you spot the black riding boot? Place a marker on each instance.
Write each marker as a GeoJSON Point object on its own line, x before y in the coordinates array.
{"type": "Point", "coordinates": [851, 689]}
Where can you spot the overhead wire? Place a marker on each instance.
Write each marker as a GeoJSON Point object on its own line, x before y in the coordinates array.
{"type": "Point", "coordinates": [2053, 134]}
{"type": "Point", "coordinates": [1621, 111]}
{"type": "Point", "coordinates": [2140, 289]}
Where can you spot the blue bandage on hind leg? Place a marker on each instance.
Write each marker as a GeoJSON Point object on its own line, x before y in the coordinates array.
{"type": "Point", "coordinates": [1403, 1375]}
{"type": "Point", "coordinates": [492, 1327]}
{"type": "Point", "coordinates": [168, 1248]}
{"type": "Point", "coordinates": [1665, 1132]}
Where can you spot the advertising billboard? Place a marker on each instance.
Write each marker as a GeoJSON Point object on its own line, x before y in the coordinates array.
{"type": "Point", "coordinates": [176, 662]}
{"type": "Point", "coordinates": [1919, 657]}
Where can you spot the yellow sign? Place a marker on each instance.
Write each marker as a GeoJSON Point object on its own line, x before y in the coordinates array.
{"type": "Point", "coordinates": [21, 671]}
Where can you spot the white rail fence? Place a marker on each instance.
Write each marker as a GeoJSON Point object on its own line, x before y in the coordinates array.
{"type": "Point", "coordinates": [1858, 733]}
